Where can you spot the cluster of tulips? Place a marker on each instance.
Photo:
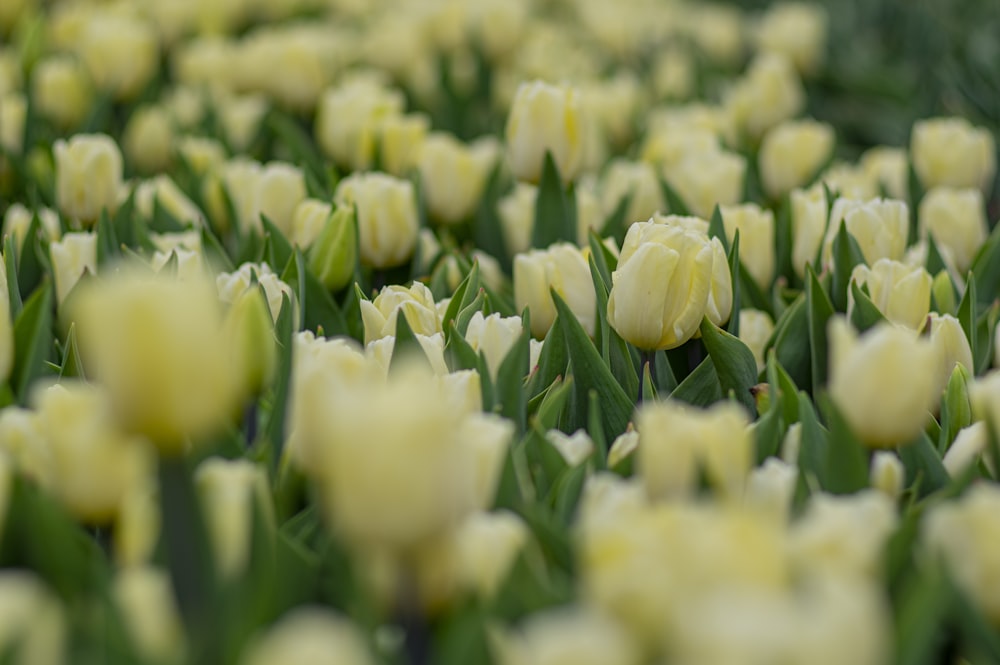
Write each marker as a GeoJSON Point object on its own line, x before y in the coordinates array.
{"type": "Point", "coordinates": [525, 332]}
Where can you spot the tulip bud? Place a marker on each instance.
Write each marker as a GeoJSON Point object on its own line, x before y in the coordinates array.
{"type": "Point", "coordinates": [639, 182]}
{"type": "Point", "coordinates": [756, 228]}
{"type": "Point", "coordinates": [333, 255]}
{"type": "Point", "coordinates": [887, 473]}
{"type": "Point", "coordinates": [308, 222]}
{"type": "Point", "coordinates": [494, 336]}
{"type": "Point", "coordinates": [164, 191]}
{"type": "Point", "coordinates": [120, 51]}
{"type": "Point", "coordinates": [232, 285]}
{"type": "Point", "coordinates": [13, 115]}
{"type": "Point", "coordinates": [880, 227]}
{"type": "Point", "coordinates": [71, 257]}
{"type": "Point", "coordinates": [347, 118]}
{"type": "Point", "coordinates": [201, 154]}
{"type": "Point", "coordinates": [952, 345]}
{"type": "Point", "coordinates": [968, 449]}
{"type": "Point", "coordinates": [962, 534]}
{"type": "Point", "coordinates": [416, 303]}
{"type": "Point", "coordinates": [387, 217]}
{"type": "Point", "coordinates": [61, 90]}
{"type": "Point", "coordinates": [570, 635]}
{"type": "Point", "coordinates": [706, 179]}
{"type": "Point", "coordinates": [35, 628]}
{"type": "Point", "coordinates": [956, 218]}
{"type": "Point", "coordinates": [901, 293]}
{"type": "Point", "coordinates": [795, 30]}
{"type": "Point", "coordinates": [622, 448]}
{"type": "Point", "coordinates": [561, 267]}
{"type": "Point", "coordinates": [575, 449]}
{"type": "Point", "coordinates": [280, 189]}
{"type": "Point", "coordinates": [517, 217]}
{"type": "Point", "coordinates": [149, 139]}
{"type": "Point", "coordinates": [756, 327]}
{"type": "Point", "coordinates": [94, 464]}
{"type": "Point", "coordinates": [792, 153]}
{"type": "Point", "coordinates": [486, 547]}
{"type": "Point", "coordinates": [809, 217]}
{"type": "Point", "coordinates": [145, 600]}
{"type": "Point", "coordinates": [401, 140]}
{"type": "Point", "coordinates": [241, 119]}
{"type": "Point", "coordinates": [453, 176]}
{"type": "Point", "coordinates": [676, 440]}
{"type": "Point", "coordinates": [308, 636]}
{"type": "Point", "coordinates": [890, 168]}
{"type": "Point", "coordinates": [885, 382]}
{"type": "Point", "coordinates": [88, 176]}
{"type": "Point", "coordinates": [952, 152]}
{"type": "Point", "coordinates": [545, 118]}
{"type": "Point", "coordinates": [17, 220]}
{"type": "Point", "coordinates": [770, 91]}
{"type": "Point", "coordinates": [228, 490]}
{"type": "Point", "coordinates": [157, 345]}
{"type": "Point", "coordinates": [668, 279]}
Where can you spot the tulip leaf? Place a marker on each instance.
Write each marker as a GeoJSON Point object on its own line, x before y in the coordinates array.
{"type": "Point", "coordinates": [317, 309]}
{"type": "Point", "coordinates": [820, 311]}
{"type": "Point", "coordinates": [552, 361]}
{"type": "Point", "coordinates": [787, 393]}
{"type": "Point", "coordinates": [675, 204]}
{"type": "Point", "coordinates": [72, 365]}
{"type": "Point", "coordinates": [215, 253]}
{"type": "Point", "coordinates": [279, 250]}
{"type": "Point", "coordinates": [815, 440]}
{"type": "Point", "coordinates": [553, 403]}
{"type": "Point", "coordinates": [935, 262]}
{"type": "Point", "coordinates": [791, 342]}
{"type": "Point", "coordinates": [734, 363]}
{"type": "Point", "coordinates": [648, 389]}
{"type": "Point", "coordinates": [846, 255]}
{"type": "Point", "coordinates": [406, 347]}
{"type": "Point", "coordinates": [846, 468]}
{"type": "Point", "coordinates": [163, 221]}
{"type": "Point", "coordinates": [956, 412]}
{"type": "Point", "coordinates": [923, 465]}
{"type": "Point", "coordinates": [299, 143]}
{"type": "Point", "coordinates": [978, 631]}
{"type": "Point", "coordinates": [701, 387]}
{"type": "Point", "coordinates": [567, 490]}
{"type": "Point", "coordinates": [599, 259]}
{"type": "Point", "coordinates": [717, 229]}
{"type": "Point", "coordinates": [487, 232]}
{"type": "Point", "coordinates": [924, 606]}
{"type": "Point", "coordinates": [614, 350]}
{"type": "Point", "coordinates": [864, 313]}
{"type": "Point", "coordinates": [986, 269]}
{"type": "Point", "coordinates": [967, 314]}
{"type": "Point", "coordinates": [465, 316]}
{"type": "Point", "coordinates": [555, 218]}
{"type": "Point", "coordinates": [283, 332]}
{"type": "Point", "coordinates": [10, 267]}
{"type": "Point", "coordinates": [985, 339]}
{"type": "Point", "coordinates": [129, 227]}
{"type": "Point", "coordinates": [783, 239]}
{"type": "Point", "coordinates": [735, 274]}
{"type": "Point", "coordinates": [615, 224]}
{"type": "Point", "coordinates": [915, 193]}
{"type": "Point", "coordinates": [768, 432]}
{"type": "Point", "coordinates": [33, 341]}
{"type": "Point", "coordinates": [510, 388]}
{"type": "Point", "coordinates": [30, 264]}
{"type": "Point", "coordinates": [590, 373]}
{"type": "Point", "coordinates": [595, 428]}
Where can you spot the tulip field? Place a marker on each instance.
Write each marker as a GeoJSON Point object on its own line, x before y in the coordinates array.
{"type": "Point", "coordinates": [500, 332]}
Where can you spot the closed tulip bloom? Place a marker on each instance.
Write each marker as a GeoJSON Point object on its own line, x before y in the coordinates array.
{"type": "Point", "coordinates": [639, 182]}
{"type": "Point", "coordinates": [17, 220]}
{"type": "Point", "coordinates": [61, 90]}
{"type": "Point", "coordinates": [769, 92]}
{"type": "Point", "coordinates": [902, 293]}
{"type": "Point", "coordinates": [164, 191]}
{"type": "Point", "coordinates": [72, 256]}
{"type": "Point", "coordinates": [953, 347]}
{"type": "Point", "coordinates": [309, 636]}
{"type": "Point", "coordinates": [416, 302]}
{"type": "Point", "coordinates": [951, 151]}
{"type": "Point", "coordinates": [145, 598]}
{"type": "Point", "coordinates": [561, 267]}
{"type": "Point", "coordinates": [796, 30]}
{"type": "Point", "coordinates": [280, 189]}
{"type": "Point", "coordinates": [234, 284]}
{"type": "Point", "coordinates": [486, 547]}
{"type": "Point", "coordinates": [956, 219]}
{"type": "Point", "coordinates": [88, 176]}
{"type": "Point", "coordinates": [668, 279]}
{"type": "Point", "coordinates": [792, 153]}
{"type": "Point", "coordinates": [677, 440]}
{"type": "Point", "coordinates": [570, 635]}
{"type": "Point", "coordinates": [308, 221]}
{"type": "Point", "coordinates": [494, 336]}
{"type": "Point", "coordinates": [574, 448]}
{"type": "Point", "coordinates": [890, 168]}
{"type": "Point", "coordinates": [121, 51]}
{"type": "Point", "coordinates": [241, 117]}
{"type": "Point", "coordinates": [887, 473]}
{"type": "Point", "coordinates": [333, 256]}
{"type": "Point", "coordinates": [387, 217]}
{"type": "Point", "coordinates": [756, 327]}
{"type": "Point", "coordinates": [880, 227]}
{"type": "Point", "coordinates": [809, 217]}
{"type": "Point", "coordinates": [884, 382]}
{"type": "Point", "coordinates": [706, 179]}
{"type": "Point", "coordinates": [148, 139]}
{"type": "Point", "coordinates": [545, 118]}
{"type": "Point", "coordinates": [963, 534]}
{"type": "Point", "coordinates": [756, 228]}
{"type": "Point", "coordinates": [517, 217]}
{"type": "Point", "coordinates": [157, 345]}
{"type": "Point", "coordinates": [347, 119]}
{"type": "Point", "coordinates": [453, 176]}
{"type": "Point", "coordinates": [401, 138]}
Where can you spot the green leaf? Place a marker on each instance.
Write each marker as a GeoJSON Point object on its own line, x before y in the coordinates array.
{"type": "Point", "coordinates": [734, 363]}
{"type": "Point", "coordinates": [298, 142]}
{"type": "Point", "coordinates": [675, 204]}
{"type": "Point", "coordinates": [553, 403]}
{"type": "Point", "coordinates": [924, 605]}
{"type": "Point", "coordinates": [406, 346]}
{"type": "Point", "coordinates": [846, 255]}
{"type": "Point", "coordinates": [283, 332]}
{"type": "Point", "coordinates": [956, 412]}
{"type": "Point", "coordinates": [466, 292]}
{"type": "Point", "coordinates": [510, 388]}
{"type": "Point", "coordinates": [967, 314]}
{"type": "Point", "coordinates": [916, 193]}
{"type": "Point", "coordinates": [614, 350]}
{"type": "Point", "coordinates": [108, 246]}
{"type": "Point", "coordinates": [717, 229]}
{"type": "Point", "coordinates": [317, 309]}
{"type": "Point", "coordinates": [701, 387]}
{"type": "Point", "coordinates": [791, 342]}
{"type": "Point", "coordinates": [820, 311]}
{"type": "Point", "coordinates": [590, 373]}
{"type": "Point", "coordinates": [465, 316]}
{"type": "Point", "coordinates": [279, 249]}
{"type": "Point", "coordinates": [10, 266]}
{"type": "Point", "coordinates": [552, 362]}
{"type": "Point", "coordinates": [215, 253]}
{"type": "Point", "coordinates": [813, 452]}
{"type": "Point", "coordinates": [648, 389]}
{"type": "Point", "coordinates": [30, 267]}
{"type": "Point", "coordinates": [985, 338]}
{"type": "Point", "coordinates": [615, 224]}
{"type": "Point", "coordinates": [595, 428]}
{"type": "Point", "coordinates": [986, 269]}
{"type": "Point", "coordinates": [72, 365]}
{"type": "Point", "coordinates": [487, 231]}
{"type": "Point", "coordinates": [846, 467]}
{"type": "Point", "coordinates": [783, 240]}
{"type": "Point", "coordinates": [923, 463]}
{"type": "Point", "coordinates": [735, 270]}
{"type": "Point", "coordinates": [555, 220]}
{"type": "Point", "coordinates": [33, 341]}
{"type": "Point", "coordinates": [864, 313]}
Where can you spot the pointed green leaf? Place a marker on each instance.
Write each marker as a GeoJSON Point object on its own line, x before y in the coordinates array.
{"type": "Point", "coordinates": [846, 255]}
{"type": "Point", "coordinates": [284, 334]}
{"type": "Point", "coordinates": [10, 266]}
{"type": "Point", "coordinates": [734, 364]}
{"type": "Point", "coordinates": [675, 204]}
{"type": "Point", "coordinates": [820, 311]}
{"type": "Point", "coordinates": [717, 229]}
{"type": "Point", "coordinates": [554, 218]}
{"type": "Point", "coordinates": [510, 388]}
{"type": "Point", "coordinates": [846, 467]}
{"type": "Point", "coordinates": [864, 314]}
{"type": "Point", "coordinates": [279, 249]}
{"type": "Point", "coordinates": [33, 341]}
{"type": "Point", "coordinates": [701, 387]}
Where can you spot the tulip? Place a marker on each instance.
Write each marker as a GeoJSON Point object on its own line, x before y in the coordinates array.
{"type": "Point", "coordinates": [901, 293]}
{"type": "Point", "coordinates": [333, 256]}
{"type": "Point", "coordinates": [885, 382]}
{"type": "Point", "coordinates": [756, 327]}
{"type": "Point", "coordinates": [956, 218]}
{"type": "Point", "coordinates": [308, 221]}
{"type": "Point", "coordinates": [121, 52]}
{"type": "Point", "coordinates": [890, 168]}
{"type": "Point", "coordinates": [792, 153]}
{"type": "Point", "coordinates": [145, 601]}
{"type": "Point", "coordinates": [880, 227]}
{"type": "Point", "coordinates": [88, 176]}
{"type": "Point", "coordinates": [486, 547]}
{"type": "Point", "coordinates": [72, 256]}
{"type": "Point", "coordinates": [639, 182]}
{"type": "Point", "coordinates": [401, 139]}
{"type": "Point", "coordinates": [887, 473]}
{"type": "Point", "coordinates": [307, 636]}
{"type": "Point", "coordinates": [416, 303]}
{"type": "Point", "coordinates": [148, 139]}
{"type": "Point", "coordinates": [756, 229]}
{"type": "Point", "coordinates": [668, 279]}
{"type": "Point", "coordinates": [35, 625]}
{"type": "Point", "coordinates": [545, 118]}
{"type": "Point", "coordinates": [795, 30]}
{"type": "Point", "coordinates": [952, 152]}
{"type": "Point", "coordinates": [769, 92]}
{"type": "Point", "coordinates": [453, 176]}
{"type": "Point", "coordinates": [561, 267]}
{"type": "Point", "coordinates": [61, 90]}
{"type": "Point", "coordinates": [387, 217]}
{"type": "Point", "coordinates": [808, 217]}
{"type": "Point", "coordinates": [347, 118]}
{"type": "Point", "coordinates": [233, 285]}
{"type": "Point", "coordinates": [706, 179]}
